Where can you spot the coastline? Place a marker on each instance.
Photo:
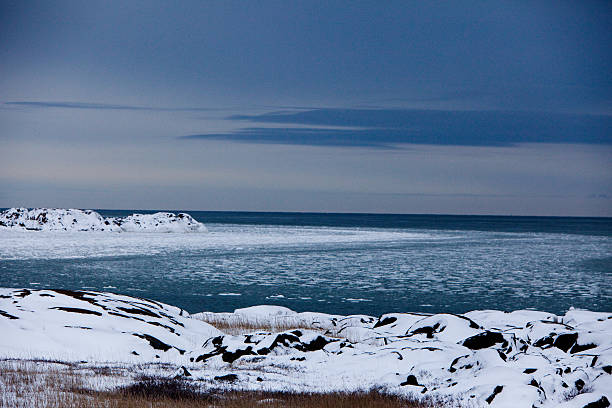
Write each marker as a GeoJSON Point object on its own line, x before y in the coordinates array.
{"type": "Point", "coordinates": [535, 357]}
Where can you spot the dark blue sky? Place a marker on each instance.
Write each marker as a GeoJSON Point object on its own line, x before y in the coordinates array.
{"type": "Point", "coordinates": [327, 106]}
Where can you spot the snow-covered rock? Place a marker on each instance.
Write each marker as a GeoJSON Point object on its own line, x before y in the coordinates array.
{"type": "Point", "coordinates": [57, 219]}
{"type": "Point", "coordinates": [481, 358]}
{"type": "Point", "coordinates": [93, 326]}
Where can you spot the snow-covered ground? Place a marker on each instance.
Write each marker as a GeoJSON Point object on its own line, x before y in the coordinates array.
{"type": "Point", "coordinates": [482, 358]}
{"type": "Point", "coordinates": [58, 219]}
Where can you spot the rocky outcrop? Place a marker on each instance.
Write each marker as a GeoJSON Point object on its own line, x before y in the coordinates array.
{"type": "Point", "coordinates": [481, 358]}
{"type": "Point", "coordinates": [57, 219]}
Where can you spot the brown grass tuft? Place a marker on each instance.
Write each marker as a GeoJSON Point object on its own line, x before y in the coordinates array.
{"type": "Point", "coordinates": [236, 325]}
{"type": "Point", "coordinates": [28, 385]}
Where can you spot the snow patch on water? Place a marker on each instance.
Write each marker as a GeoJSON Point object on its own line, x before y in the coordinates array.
{"type": "Point", "coordinates": [50, 244]}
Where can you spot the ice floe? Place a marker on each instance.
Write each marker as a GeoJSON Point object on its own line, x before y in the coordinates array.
{"type": "Point", "coordinates": [481, 358]}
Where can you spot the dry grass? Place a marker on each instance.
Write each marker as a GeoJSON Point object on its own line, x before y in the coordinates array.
{"type": "Point", "coordinates": [236, 325]}
{"type": "Point", "coordinates": [30, 385]}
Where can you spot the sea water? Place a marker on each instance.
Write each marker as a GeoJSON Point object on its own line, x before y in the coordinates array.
{"type": "Point", "coordinates": [334, 263]}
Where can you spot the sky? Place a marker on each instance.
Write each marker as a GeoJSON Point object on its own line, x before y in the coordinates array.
{"type": "Point", "coordinates": [472, 107]}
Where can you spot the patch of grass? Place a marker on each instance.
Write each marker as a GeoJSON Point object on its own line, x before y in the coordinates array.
{"type": "Point", "coordinates": [236, 324]}
{"type": "Point", "coordinates": [155, 388]}
{"type": "Point", "coordinates": [28, 385]}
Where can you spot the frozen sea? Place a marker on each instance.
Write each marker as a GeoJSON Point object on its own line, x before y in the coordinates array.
{"type": "Point", "coordinates": [334, 263]}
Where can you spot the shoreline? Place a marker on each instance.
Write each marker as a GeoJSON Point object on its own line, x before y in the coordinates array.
{"type": "Point", "coordinates": [535, 357]}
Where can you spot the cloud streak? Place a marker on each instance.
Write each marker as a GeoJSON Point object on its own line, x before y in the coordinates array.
{"type": "Point", "coordinates": [390, 127]}
{"type": "Point", "coordinates": [103, 106]}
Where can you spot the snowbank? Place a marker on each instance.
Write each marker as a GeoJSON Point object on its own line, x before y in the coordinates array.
{"type": "Point", "coordinates": [481, 358]}
{"type": "Point", "coordinates": [57, 219]}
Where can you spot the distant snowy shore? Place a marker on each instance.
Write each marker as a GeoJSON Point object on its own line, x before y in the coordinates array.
{"type": "Point", "coordinates": [58, 219]}
{"type": "Point", "coordinates": [481, 358]}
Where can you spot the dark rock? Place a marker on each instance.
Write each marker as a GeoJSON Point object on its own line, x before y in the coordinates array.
{"type": "Point", "coordinates": [399, 356]}
{"type": "Point", "coordinates": [185, 372]}
{"type": "Point", "coordinates": [23, 293]}
{"type": "Point", "coordinates": [170, 329]}
{"type": "Point", "coordinates": [473, 324]}
{"type": "Point", "coordinates": [204, 357]}
{"type": "Point", "coordinates": [427, 330]}
{"type": "Point", "coordinates": [154, 342]}
{"type": "Point", "coordinates": [316, 344]}
{"type": "Point", "coordinates": [259, 379]}
{"type": "Point", "coordinates": [483, 340]}
{"type": "Point", "coordinates": [582, 347]}
{"type": "Point", "coordinates": [544, 342]}
{"type": "Point", "coordinates": [600, 403]}
{"type": "Point", "coordinates": [385, 321]}
{"type": "Point", "coordinates": [167, 316]}
{"type": "Point", "coordinates": [530, 370]}
{"type": "Point", "coordinates": [452, 369]}
{"type": "Point", "coordinates": [282, 339]}
{"type": "Point", "coordinates": [139, 311]}
{"type": "Point", "coordinates": [77, 294]}
{"type": "Point", "coordinates": [565, 341]}
{"type": "Point", "coordinates": [230, 357]}
{"type": "Point", "coordinates": [77, 310]}
{"type": "Point", "coordinates": [411, 380]}
{"type": "Point", "coordinates": [227, 378]}
{"type": "Point", "coordinates": [8, 315]}
{"type": "Point", "coordinates": [126, 316]}
{"type": "Point", "coordinates": [607, 369]}
{"type": "Point", "coordinates": [496, 391]}
{"type": "Point", "coordinates": [579, 384]}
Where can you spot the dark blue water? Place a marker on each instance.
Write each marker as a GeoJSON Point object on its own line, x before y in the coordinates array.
{"type": "Point", "coordinates": [564, 225]}
{"type": "Point", "coordinates": [335, 263]}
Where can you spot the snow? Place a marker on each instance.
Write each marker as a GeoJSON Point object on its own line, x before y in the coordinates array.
{"type": "Point", "coordinates": [481, 358]}
{"type": "Point", "coordinates": [53, 244]}
{"type": "Point", "coordinates": [57, 219]}
{"type": "Point", "coordinates": [264, 311]}
{"type": "Point", "coordinates": [93, 326]}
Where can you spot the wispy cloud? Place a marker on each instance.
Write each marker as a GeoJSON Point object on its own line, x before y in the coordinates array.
{"type": "Point", "coordinates": [389, 127]}
{"type": "Point", "coordinates": [303, 136]}
{"type": "Point", "coordinates": [103, 106]}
